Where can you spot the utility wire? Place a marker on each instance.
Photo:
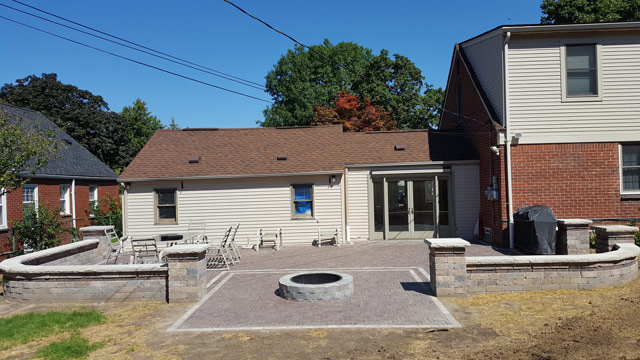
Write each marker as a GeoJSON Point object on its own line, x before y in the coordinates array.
{"type": "Point", "coordinates": [291, 38]}
{"type": "Point", "coordinates": [135, 61]}
{"type": "Point", "coordinates": [210, 70]}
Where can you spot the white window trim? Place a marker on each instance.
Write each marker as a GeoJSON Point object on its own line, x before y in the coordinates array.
{"type": "Point", "coordinates": [622, 191]}
{"type": "Point", "coordinates": [3, 202]}
{"type": "Point", "coordinates": [35, 194]}
{"type": "Point", "coordinates": [313, 203]}
{"type": "Point", "coordinates": [563, 73]}
{"type": "Point", "coordinates": [67, 200]}
{"type": "Point", "coordinates": [95, 196]}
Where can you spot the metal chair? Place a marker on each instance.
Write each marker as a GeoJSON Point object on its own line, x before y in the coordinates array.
{"type": "Point", "coordinates": [234, 251]}
{"type": "Point", "coordinates": [270, 236]}
{"type": "Point", "coordinates": [116, 244]}
{"type": "Point", "coordinates": [145, 249]}
{"type": "Point", "coordinates": [218, 254]}
{"type": "Point", "coordinates": [199, 227]}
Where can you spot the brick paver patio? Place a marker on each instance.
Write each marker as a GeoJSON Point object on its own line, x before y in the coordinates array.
{"type": "Point", "coordinates": [390, 290]}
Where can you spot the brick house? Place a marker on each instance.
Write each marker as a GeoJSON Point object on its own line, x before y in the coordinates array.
{"type": "Point", "coordinates": [553, 112]}
{"type": "Point", "coordinates": [70, 181]}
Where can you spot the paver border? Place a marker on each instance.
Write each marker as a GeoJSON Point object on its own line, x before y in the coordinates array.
{"type": "Point", "coordinates": [410, 269]}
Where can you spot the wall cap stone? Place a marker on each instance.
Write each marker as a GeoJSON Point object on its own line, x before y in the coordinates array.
{"type": "Point", "coordinates": [447, 243]}
{"type": "Point", "coordinates": [575, 222]}
{"type": "Point", "coordinates": [616, 229]}
{"type": "Point", "coordinates": [184, 249]}
{"type": "Point", "coordinates": [621, 252]}
{"type": "Point", "coordinates": [96, 228]}
{"type": "Point", "coordinates": [15, 266]}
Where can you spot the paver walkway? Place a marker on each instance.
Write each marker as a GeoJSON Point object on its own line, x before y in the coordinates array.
{"type": "Point", "coordinates": [391, 290]}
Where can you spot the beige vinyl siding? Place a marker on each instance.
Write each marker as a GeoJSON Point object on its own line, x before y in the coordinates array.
{"type": "Point", "coordinates": [485, 56]}
{"type": "Point", "coordinates": [254, 203]}
{"type": "Point", "coordinates": [535, 93]}
{"type": "Point", "coordinates": [358, 203]}
{"type": "Point", "coordinates": [466, 197]}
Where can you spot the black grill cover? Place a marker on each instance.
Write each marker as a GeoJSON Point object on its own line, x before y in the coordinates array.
{"type": "Point", "coordinates": [535, 230]}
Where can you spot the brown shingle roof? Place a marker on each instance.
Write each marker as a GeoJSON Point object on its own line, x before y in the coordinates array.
{"type": "Point", "coordinates": [256, 151]}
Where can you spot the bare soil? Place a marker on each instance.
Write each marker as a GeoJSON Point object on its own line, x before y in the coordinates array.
{"type": "Point", "coordinates": [595, 324]}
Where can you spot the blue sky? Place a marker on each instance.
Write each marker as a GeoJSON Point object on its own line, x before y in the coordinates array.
{"type": "Point", "coordinates": [214, 34]}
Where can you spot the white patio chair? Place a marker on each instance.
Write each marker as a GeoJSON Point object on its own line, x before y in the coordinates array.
{"type": "Point", "coordinates": [330, 237]}
{"type": "Point", "coordinates": [145, 249]}
{"type": "Point", "coordinates": [234, 251]}
{"type": "Point", "coordinates": [200, 227]}
{"type": "Point", "coordinates": [274, 237]}
{"type": "Point", "coordinates": [218, 254]}
{"type": "Point", "coordinates": [116, 245]}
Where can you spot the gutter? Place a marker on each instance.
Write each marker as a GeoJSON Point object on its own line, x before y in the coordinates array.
{"type": "Point", "coordinates": [73, 201]}
{"type": "Point", "coordinates": [507, 140]}
{"type": "Point", "coordinates": [331, 172]}
{"type": "Point", "coordinates": [44, 176]}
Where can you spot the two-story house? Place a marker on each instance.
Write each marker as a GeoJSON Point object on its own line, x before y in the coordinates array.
{"type": "Point", "coordinates": [71, 182]}
{"type": "Point", "coordinates": [553, 112]}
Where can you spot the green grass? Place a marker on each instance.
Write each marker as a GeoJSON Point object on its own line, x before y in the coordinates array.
{"type": "Point", "coordinates": [21, 329]}
{"type": "Point", "coordinates": [75, 347]}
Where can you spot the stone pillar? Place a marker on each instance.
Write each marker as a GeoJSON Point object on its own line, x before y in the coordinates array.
{"type": "Point", "coordinates": [448, 266]}
{"type": "Point", "coordinates": [572, 237]}
{"type": "Point", "coordinates": [609, 235]}
{"type": "Point", "coordinates": [187, 265]}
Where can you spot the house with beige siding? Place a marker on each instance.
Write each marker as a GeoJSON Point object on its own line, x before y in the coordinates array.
{"type": "Point", "coordinates": [370, 186]}
{"type": "Point", "coordinates": [553, 112]}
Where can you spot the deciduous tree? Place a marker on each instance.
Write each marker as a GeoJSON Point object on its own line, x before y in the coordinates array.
{"type": "Point", "coordinates": [589, 11]}
{"type": "Point", "coordinates": [302, 79]}
{"type": "Point", "coordinates": [353, 114]}
{"type": "Point", "coordinates": [81, 114]}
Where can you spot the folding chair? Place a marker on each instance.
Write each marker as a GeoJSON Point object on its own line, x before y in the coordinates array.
{"type": "Point", "coordinates": [234, 251]}
{"type": "Point", "coordinates": [327, 237]}
{"type": "Point", "coordinates": [198, 227]}
{"type": "Point", "coordinates": [218, 254]}
{"type": "Point", "coordinates": [116, 245]}
{"type": "Point", "coordinates": [145, 249]}
{"type": "Point", "coordinates": [270, 236]}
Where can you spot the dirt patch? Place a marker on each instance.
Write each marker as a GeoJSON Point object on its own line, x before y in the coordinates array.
{"type": "Point", "coordinates": [595, 324]}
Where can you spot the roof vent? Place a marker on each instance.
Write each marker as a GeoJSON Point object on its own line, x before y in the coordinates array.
{"type": "Point", "coordinates": [399, 147]}
{"type": "Point", "coordinates": [281, 157]}
{"type": "Point", "coordinates": [195, 160]}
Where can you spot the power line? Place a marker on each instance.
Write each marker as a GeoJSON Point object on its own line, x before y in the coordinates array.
{"type": "Point", "coordinates": [165, 55]}
{"type": "Point", "coordinates": [135, 61]}
{"type": "Point", "coordinates": [291, 38]}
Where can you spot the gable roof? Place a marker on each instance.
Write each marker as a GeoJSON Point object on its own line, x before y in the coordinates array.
{"type": "Point", "coordinates": [219, 153]}
{"type": "Point", "coordinates": [73, 160]}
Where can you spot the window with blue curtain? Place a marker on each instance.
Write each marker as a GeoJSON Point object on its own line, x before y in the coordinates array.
{"type": "Point", "coordinates": [302, 201]}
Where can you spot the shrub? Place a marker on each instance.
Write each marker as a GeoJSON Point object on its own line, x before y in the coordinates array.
{"type": "Point", "coordinates": [40, 227]}
{"type": "Point", "coordinates": [107, 211]}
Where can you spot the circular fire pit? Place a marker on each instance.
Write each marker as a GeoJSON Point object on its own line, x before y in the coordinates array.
{"type": "Point", "coordinates": [316, 286]}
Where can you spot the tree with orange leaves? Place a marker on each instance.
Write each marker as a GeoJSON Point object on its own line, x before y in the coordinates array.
{"type": "Point", "coordinates": [353, 114]}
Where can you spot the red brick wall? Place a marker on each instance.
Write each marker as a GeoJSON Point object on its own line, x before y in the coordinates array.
{"type": "Point", "coordinates": [481, 131]}
{"type": "Point", "coordinates": [575, 180]}
{"type": "Point", "coordinates": [49, 194]}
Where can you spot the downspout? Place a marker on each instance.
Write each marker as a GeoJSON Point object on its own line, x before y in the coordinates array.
{"type": "Point", "coordinates": [345, 212]}
{"type": "Point", "coordinates": [73, 201]}
{"type": "Point", "coordinates": [507, 139]}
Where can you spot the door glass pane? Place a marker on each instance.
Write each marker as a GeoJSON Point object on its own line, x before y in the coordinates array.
{"type": "Point", "coordinates": [398, 208]}
{"type": "Point", "coordinates": [443, 202]}
{"type": "Point", "coordinates": [378, 206]}
{"type": "Point", "coordinates": [423, 193]}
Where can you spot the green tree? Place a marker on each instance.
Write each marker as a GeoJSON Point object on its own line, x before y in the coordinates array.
{"type": "Point", "coordinates": [81, 114]}
{"type": "Point", "coordinates": [140, 124]}
{"type": "Point", "coordinates": [302, 79]}
{"type": "Point", "coordinates": [22, 152]}
{"type": "Point", "coordinates": [173, 125]}
{"type": "Point", "coordinates": [589, 11]}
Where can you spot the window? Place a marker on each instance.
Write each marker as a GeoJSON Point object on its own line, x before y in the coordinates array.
{"type": "Point", "coordinates": [93, 199]}
{"type": "Point", "coordinates": [459, 103]}
{"type": "Point", "coordinates": [3, 209]}
{"type": "Point", "coordinates": [630, 168]}
{"type": "Point", "coordinates": [29, 196]}
{"type": "Point", "coordinates": [64, 200]}
{"type": "Point", "coordinates": [302, 202]}
{"type": "Point", "coordinates": [581, 73]}
{"type": "Point", "coordinates": [166, 206]}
